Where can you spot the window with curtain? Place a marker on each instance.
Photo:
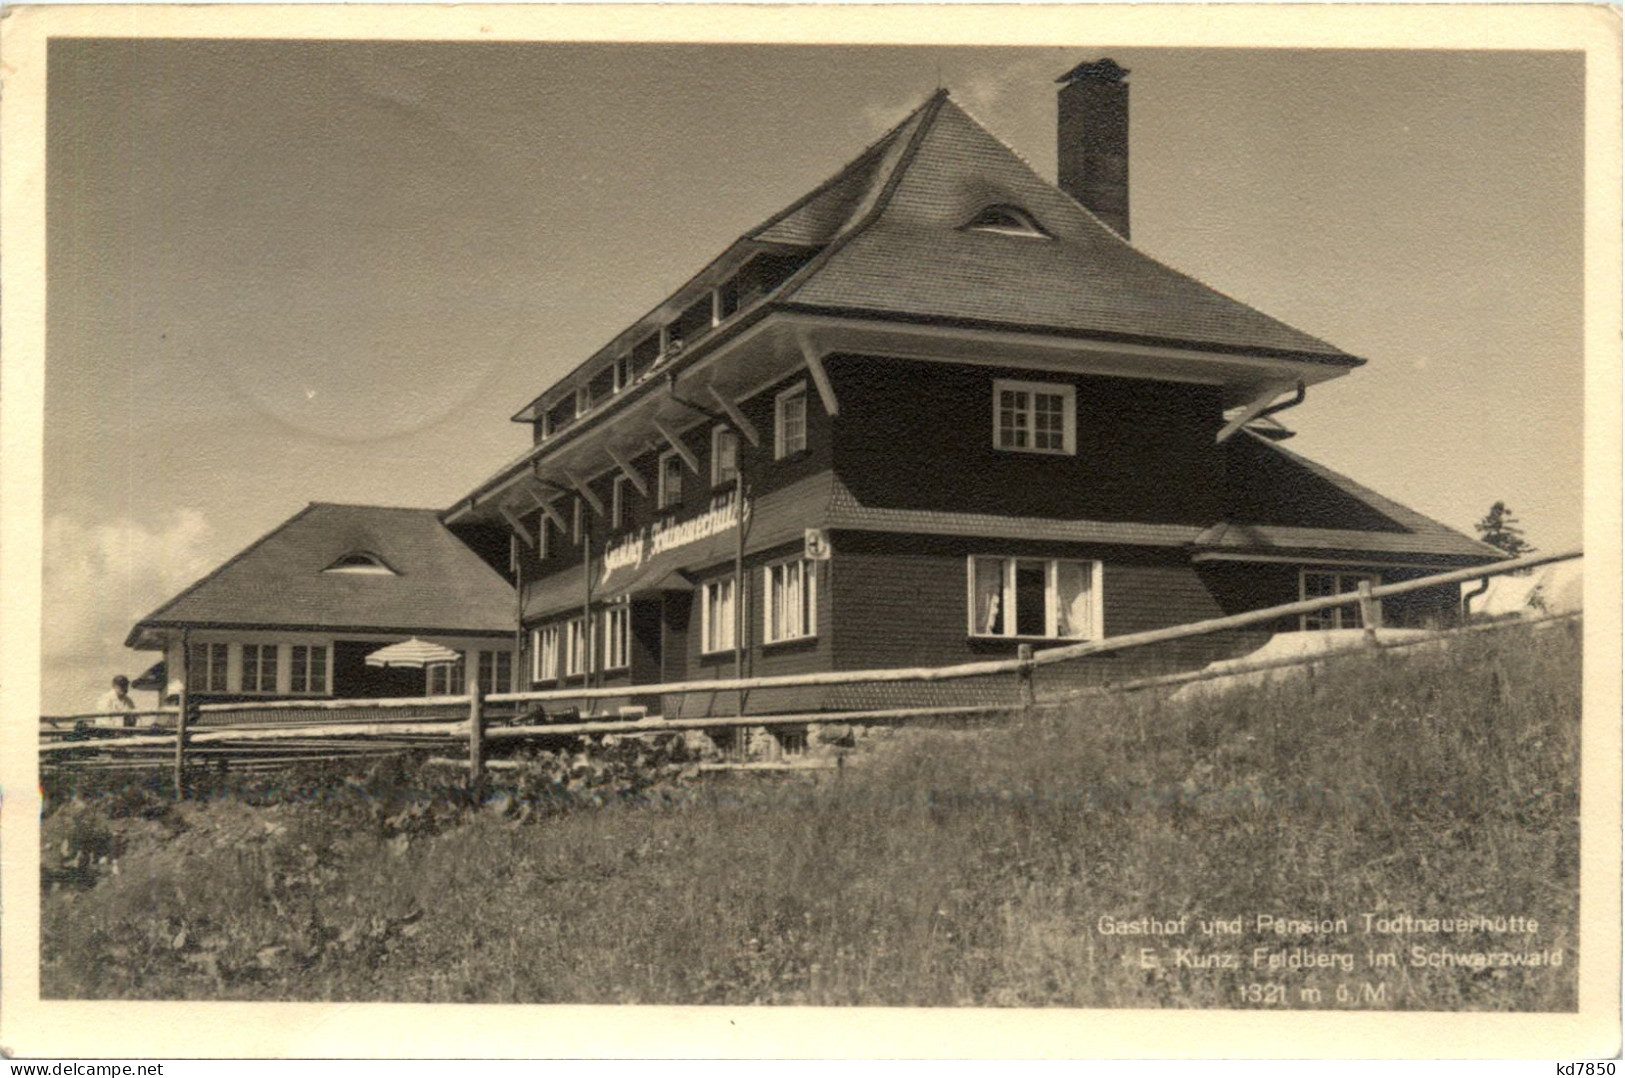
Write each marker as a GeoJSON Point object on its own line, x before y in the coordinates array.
{"type": "Point", "coordinates": [790, 597]}
{"type": "Point", "coordinates": [1039, 598]}
{"type": "Point", "coordinates": [717, 622]}
{"type": "Point", "coordinates": [544, 653]}
{"type": "Point", "coordinates": [575, 647]}
{"type": "Point", "coordinates": [617, 637]}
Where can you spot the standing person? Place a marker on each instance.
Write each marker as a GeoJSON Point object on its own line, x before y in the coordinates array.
{"type": "Point", "coordinates": [113, 702]}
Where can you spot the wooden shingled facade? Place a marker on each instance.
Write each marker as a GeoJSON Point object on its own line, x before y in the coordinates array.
{"type": "Point", "coordinates": [990, 418]}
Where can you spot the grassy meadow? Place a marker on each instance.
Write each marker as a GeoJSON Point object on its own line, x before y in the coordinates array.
{"type": "Point", "coordinates": [941, 867]}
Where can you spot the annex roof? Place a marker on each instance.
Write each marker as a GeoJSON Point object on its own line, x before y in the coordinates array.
{"type": "Point", "coordinates": [437, 584]}
{"type": "Point", "coordinates": [1281, 503]}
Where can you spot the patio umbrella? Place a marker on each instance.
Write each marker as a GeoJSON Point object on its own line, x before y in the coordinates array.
{"type": "Point", "coordinates": [413, 652]}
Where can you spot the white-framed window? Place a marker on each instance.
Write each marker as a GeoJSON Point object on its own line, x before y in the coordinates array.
{"type": "Point", "coordinates": [307, 668]}
{"type": "Point", "coordinates": [623, 372]}
{"type": "Point", "coordinates": [446, 679]}
{"type": "Point", "coordinates": [544, 653]}
{"type": "Point", "coordinates": [496, 671]}
{"type": "Point", "coordinates": [617, 502]}
{"type": "Point", "coordinates": [576, 641]}
{"type": "Point", "coordinates": [617, 637]}
{"type": "Point", "coordinates": [1034, 417]}
{"type": "Point", "coordinates": [1320, 583]}
{"type": "Point", "coordinates": [790, 421]}
{"type": "Point", "coordinates": [790, 601]}
{"type": "Point", "coordinates": [724, 456]}
{"type": "Point", "coordinates": [1043, 598]}
{"type": "Point", "coordinates": [206, 666]}
{"type": "Point", "coordinates": [671, 479]}
{"type": "Point", "coordinates": [717, 616]}
{"type": "Point", "coordinates": [259, 668]}
{"type": "Point", "coordinates": [583, 402]}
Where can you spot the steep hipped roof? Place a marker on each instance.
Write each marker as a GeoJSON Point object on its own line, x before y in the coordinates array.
{"type": "Point", "coordinates": [888, 231]}
{"type": "Point", "coordinates": [842, 201]}
{"type": "Point", "coordinates": [912, 258]}
{"type": "Point", "coordinates": [437, 584]}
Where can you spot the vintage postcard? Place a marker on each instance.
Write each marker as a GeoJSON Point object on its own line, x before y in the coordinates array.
{"type": "Point", "coordinates": [813, 523]}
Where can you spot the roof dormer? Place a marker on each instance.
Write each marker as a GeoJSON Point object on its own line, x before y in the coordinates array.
{"type": "Point", "coordinates": [1006, 220]}
{"type": "Point", "coordinates": [361, 563]}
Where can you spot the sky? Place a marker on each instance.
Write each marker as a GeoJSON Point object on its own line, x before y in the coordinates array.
{"type": "Point", "coordinates": [283, 272]}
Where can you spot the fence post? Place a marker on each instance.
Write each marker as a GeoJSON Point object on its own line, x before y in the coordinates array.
{"type": "Point", "coordinates": [476, 735]}
{"type": "Point", "coordinates": [181, 715]}
{"type": "Point", "coordinates": [1370, 613]}
{"type": "Point", "coordinates": [1024, 678]}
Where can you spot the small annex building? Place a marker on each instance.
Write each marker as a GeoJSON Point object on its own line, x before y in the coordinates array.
{"type": "Point", "coordinates": [936, 408]}
{"type": "Point", "coordinates": [296, 613]}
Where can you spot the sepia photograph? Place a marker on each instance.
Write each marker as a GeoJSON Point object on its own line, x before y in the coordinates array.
{"type": "Point", "coordinates": [1062, 525]}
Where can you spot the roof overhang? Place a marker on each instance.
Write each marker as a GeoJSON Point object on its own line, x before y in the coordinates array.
{"type": "Point", "coordinates": [157, 635]}
{"type": "Point", "coordinates": [771, 343]}
{"type": "Point", "coordinates": [1242, 375]}
{"type": "Point", "coordinates": [1346, 558]}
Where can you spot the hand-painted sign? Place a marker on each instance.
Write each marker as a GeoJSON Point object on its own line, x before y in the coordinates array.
{"type": "Point", "coordinates": [669, 534]}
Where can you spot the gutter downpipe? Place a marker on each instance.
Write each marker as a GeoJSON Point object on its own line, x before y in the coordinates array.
{"type": "Point", "coordinates": [739, 529]}
{"type": "Point", "coordinates": [1468, 597]}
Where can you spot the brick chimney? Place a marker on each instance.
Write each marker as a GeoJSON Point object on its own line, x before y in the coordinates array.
{"type": "Point", "coordinates": [1091, 139]}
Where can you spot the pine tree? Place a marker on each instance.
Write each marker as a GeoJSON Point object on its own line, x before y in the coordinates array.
{"type": "Point", "coordinates": [1499, 528]}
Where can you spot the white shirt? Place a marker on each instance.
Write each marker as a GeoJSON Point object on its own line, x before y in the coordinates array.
{"type": "Point", "coordinates": [112, 701]}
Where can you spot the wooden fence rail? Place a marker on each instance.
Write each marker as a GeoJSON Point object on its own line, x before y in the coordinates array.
{"type": "Point", "coordinates": [477, 731]}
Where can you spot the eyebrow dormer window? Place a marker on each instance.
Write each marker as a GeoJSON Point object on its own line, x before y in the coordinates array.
{"type": "Point", "coordinates": [1006, 221]}
{"type": "Point", "coordinates": [361, 563]}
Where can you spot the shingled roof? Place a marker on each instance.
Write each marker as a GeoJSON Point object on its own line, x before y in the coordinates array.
{"type": "Point", "coordinates": [903, 252]}
{"type": "Point", "coordinates": [890, 242]}
{"type": "Point", "coordinates": [1280, 503]}
{"type": "Point", "coordinates": [438, 585]}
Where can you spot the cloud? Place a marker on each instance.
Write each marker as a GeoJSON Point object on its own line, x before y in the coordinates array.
{"type": "Point", "coordinates": [990, 96]}
{"type": "Point", "coordinates": [876, 120]}
{"type": "Point", "coordinates": [99, 579]}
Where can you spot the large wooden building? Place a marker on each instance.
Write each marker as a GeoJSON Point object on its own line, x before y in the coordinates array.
{"type": "Point", "coordinates": [961, 412]}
